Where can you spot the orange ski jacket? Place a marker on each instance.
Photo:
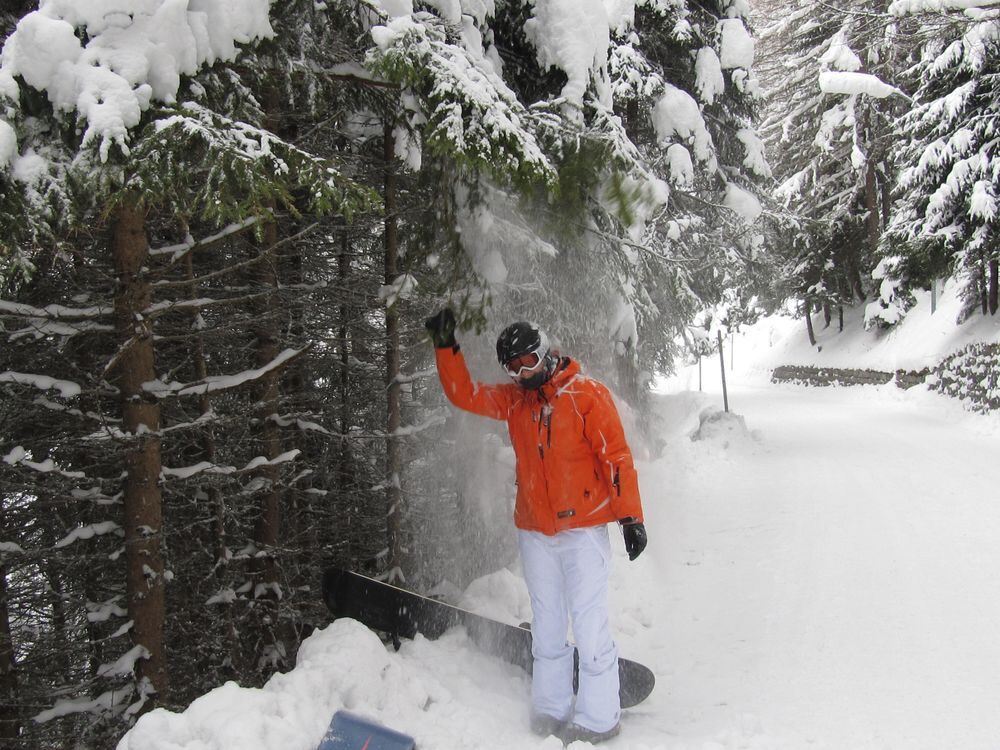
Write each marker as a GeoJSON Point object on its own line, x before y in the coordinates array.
{"type": "Point", "coordinates": [574, 467]}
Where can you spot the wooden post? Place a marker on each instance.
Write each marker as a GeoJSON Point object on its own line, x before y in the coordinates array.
{"type": "Point", "coordinates": [722, 366]}
{"type": "Point", "coordinates": [933, 295]}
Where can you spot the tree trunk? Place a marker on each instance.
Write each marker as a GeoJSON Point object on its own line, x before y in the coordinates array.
{"type": "Point", "coordinates": [809, 322]}
{"type": "Point", "coordinates": [57, 605]}
{"type": "Point", "coordinates": [143, 510]}
{"type": "Point", "coordinates": [827, 315]}
{"type": "Point", "coordinates": [628, 375]}
{"type": "Point", "coordinates": [886, 188]}
{"type": "Point", "coordinates": [267, 528]}
{"type": "Point", "coordinates": [10, 711]}
{"type": "Point", "coordinates": [871, 207]}
{"type": "Point", "coordinates": [344, 478]}
{"type": "Point", "coordinates": [852, 271]}
{"type": "Point", "coordinates": [394, 495]}
{"type": "Point", "coordinates": [266, 535]}
{"type": "Point", "coordinates": [840, 318]}
{"type": "Point", "coordinates": [994, 282]}
{"type": "Point", "coordinates": [216, 501]}
{"type": "Point", "coordinates": [207, 436]}
{"type": "Point", "coordinates": [984, 293]}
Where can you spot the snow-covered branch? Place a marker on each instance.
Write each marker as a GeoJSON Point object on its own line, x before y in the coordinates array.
{"type": "Point", "coordinates": [178, 251]}
{"type": "Point", "coordinates": [66, 388]}
{"type": "Point", "coordinates": [914, 7]}
{"type": "Point", "coordinates": [206, 467]}
{"type": "Point", "coordinates": [221, 382]}
{"type": "Point", "coordinates": [89, 532]}
{"type": "Point", "coordinates": [53, 312]}
{"type": "Point", "coordinates": [851, 84]}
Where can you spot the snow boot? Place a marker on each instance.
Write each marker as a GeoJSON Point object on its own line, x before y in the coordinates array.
{"type": "Point", "coordinates": [543, 725]}
{"type": "Point", "coordinates": [575, 733]}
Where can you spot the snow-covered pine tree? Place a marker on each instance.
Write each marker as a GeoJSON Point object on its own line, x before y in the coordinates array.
{"type": "Point", "coordinates": [945, 218]}
{"type": "Point", "coordinates": [828, 127]}
{"type": "Point", "coordinates": [683, 77]}
{"type": "Point", "coordinates": [564, 113]}
{"type": "Point", "coordinates": [538, 134]}
{"type": "Point", "coordinates": [114, 170]}
{"type": "Point", "coordinates": [521, 163]}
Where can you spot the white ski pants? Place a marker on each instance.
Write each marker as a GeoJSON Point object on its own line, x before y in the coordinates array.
{"type": "Point", "coordinates": [567, 577]}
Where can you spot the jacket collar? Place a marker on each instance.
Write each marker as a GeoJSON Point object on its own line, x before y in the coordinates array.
{"type": "Point", "coordinates": [566, 370]}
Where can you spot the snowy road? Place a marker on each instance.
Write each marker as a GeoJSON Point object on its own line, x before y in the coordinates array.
{"type": "Point", "coordinates": [836, 584]}
{"type": "Point", "coordinates": [829, 580]}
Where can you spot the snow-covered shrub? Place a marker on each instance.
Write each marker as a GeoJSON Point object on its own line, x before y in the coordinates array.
{"type": "Point", "coordinates": [894, 297]}
{"type": "Point", "coordinates": [971, 375]}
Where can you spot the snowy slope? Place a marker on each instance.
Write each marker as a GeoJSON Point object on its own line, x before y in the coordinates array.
{"type": "Point", "coordinates": [921, 339]}
{"type": "Point", "coordinates": [822, 576]}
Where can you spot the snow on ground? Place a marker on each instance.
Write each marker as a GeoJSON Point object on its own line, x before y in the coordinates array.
{"type": "Point", "coordinates": [821, 575]}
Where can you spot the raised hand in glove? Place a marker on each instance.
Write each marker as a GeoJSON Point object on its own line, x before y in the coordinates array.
{"type": "Point", "coordinates": [441, 327]}
{"type": "Point", "coordinates": [635, 537]}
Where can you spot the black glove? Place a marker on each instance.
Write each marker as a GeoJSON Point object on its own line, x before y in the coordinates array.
{"type": "Point", "coordinates": [441, 327]}
{"type": "Point", "coordinates": [635, 537]}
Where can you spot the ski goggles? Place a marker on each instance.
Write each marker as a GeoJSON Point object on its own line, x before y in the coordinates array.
{"type": "Point", "coordinates": [528, 361]}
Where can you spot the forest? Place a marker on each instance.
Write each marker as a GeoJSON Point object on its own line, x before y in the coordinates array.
{"type": "Point", "coordinates": [222, 226]}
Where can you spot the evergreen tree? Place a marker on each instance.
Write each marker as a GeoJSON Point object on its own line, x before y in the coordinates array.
{"type": "Point", "coordinates": [944, 220]}
{"type": "Point", "coordinates": [113, 183]}
{"type": "Point", "coordinates": [214, 271]}
{"type": "Point", "coordinates": [829, 129]}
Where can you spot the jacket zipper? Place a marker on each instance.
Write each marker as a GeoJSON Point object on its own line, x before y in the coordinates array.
{"type": "Point", "coordinates": [541, 455]}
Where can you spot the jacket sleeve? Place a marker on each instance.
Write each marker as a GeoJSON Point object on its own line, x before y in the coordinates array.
{"type": "Point", "coordinates": [603, 429]}
{"type": "Point", "coordinates": [492, 401]}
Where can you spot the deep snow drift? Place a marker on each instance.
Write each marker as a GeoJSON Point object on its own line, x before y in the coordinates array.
{"type": "Point", "coordinates": [821, 574]}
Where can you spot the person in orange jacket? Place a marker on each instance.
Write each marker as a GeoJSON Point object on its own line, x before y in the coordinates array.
{"type": "Point", "coordinates": [575, 475]}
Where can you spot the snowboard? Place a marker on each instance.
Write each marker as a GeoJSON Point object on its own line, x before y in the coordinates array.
{"type": "Point", "coordinates": [349, 731]}
{"type": "Point", "coordinates": [403, 614]}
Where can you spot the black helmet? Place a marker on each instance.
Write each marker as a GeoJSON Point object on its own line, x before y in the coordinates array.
{"type": "Point", "coordinates": [521, 338]}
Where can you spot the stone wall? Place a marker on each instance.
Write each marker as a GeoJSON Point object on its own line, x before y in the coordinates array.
{"type": "Point", "coordinates": [971, 375]}
{"type": "Point", "coordinates": [823, 376]}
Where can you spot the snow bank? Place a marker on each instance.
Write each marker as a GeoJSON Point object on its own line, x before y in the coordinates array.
{"type": "Point", "coordinates": [502, 596]}
{"type": "Point", "coordinates": [726, 429]}
{"type": "Point", "coordinates": [344, 665]}
{"type": "Point", "coordinates": [444, 693]}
